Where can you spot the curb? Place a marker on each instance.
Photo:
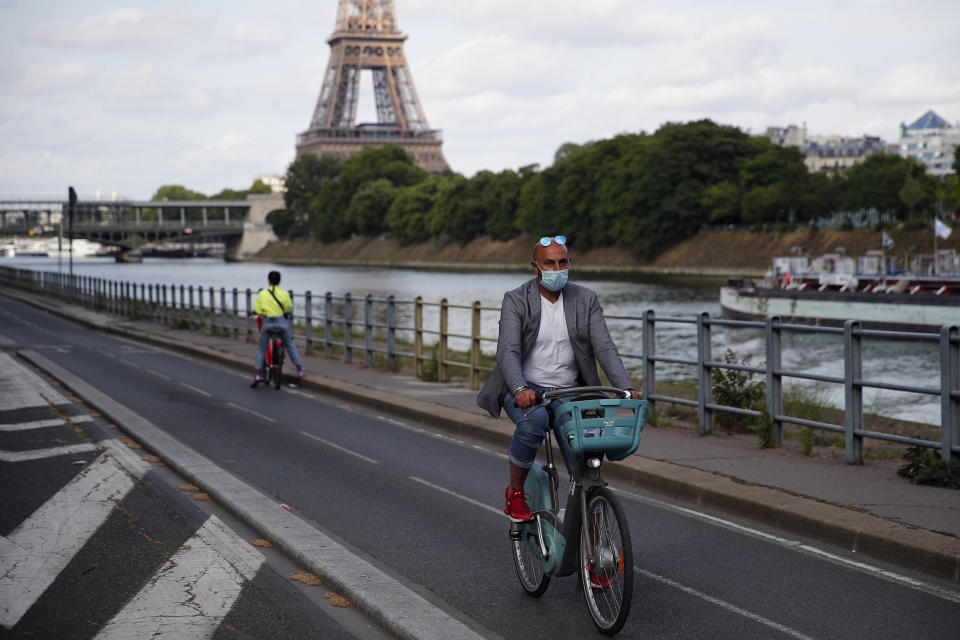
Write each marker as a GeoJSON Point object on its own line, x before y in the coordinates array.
{"type": "Point", "coordinates": [866, 534]}
{"type": "Point", "coordinates": [394, 606]}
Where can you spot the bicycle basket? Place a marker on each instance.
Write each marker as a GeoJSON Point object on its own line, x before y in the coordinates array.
{"type": "Point", "coordinates": [609, 426]}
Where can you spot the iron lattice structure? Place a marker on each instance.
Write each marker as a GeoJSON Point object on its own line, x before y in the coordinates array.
{"type": "Point", "coordinates": [366, 37]}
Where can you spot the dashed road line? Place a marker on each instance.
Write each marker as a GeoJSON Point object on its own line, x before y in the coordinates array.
{"type": "Point", "coordinates": [457, 495]}
{"type": "Point", "coordinates": [793, 633]}
{"type": "Point", "coordinates": [198, 390]}
{"type": "Point", "coordinates": [796, 545]}
{"type": "Point", "coordinates": [158, 374]}
{"type": "Point", "coordinates": [340, 448]}
{"type": "Point", "coordinates": [256, 413]}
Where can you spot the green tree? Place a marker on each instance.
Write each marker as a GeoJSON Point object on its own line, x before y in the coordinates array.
{"type": "Point", "coordinates": [878, 180]}
{"type": "Point", "coordinates": [176, 192]}
{"type": "Point", "coordinates": [368, 207]}
{"type": "Point", "coordinates": [306, 177]}
{"type": "Point", "coordinates": [408, 216]}
{"type": "Point", "coordinates": [283, 222]}
{"type": "Point", "coordinates": [500, 194]}
{"type": "Point", "coordinates": [762, 204]}
{"type": "Point", "coordinates": [915, 195]}
{"type": "Point", "coordinates": [722, 202]}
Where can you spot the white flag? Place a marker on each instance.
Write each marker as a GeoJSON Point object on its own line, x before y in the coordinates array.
{"type": "Point", "coordinates": [941, 230]}
{"type": "Point", "coordinates": [887, 241]}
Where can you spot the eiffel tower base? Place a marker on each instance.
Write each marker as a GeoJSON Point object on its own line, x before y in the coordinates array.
{"type": "Point", "coordinates": [424, 147]}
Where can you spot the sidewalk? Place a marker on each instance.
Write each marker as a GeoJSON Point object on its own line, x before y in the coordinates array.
{"type": "Point", "coordinates": [868, 508]}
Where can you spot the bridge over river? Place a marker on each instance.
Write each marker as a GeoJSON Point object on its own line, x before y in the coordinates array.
{"type": "Point", "coordinates": [128, 224]}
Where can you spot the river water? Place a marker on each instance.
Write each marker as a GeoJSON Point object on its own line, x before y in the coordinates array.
{"type": "Point", "coordinates": [669, 296]}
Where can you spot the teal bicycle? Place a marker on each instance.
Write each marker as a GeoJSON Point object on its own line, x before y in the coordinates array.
{"type": "Point", "coordinates": [591, 536]}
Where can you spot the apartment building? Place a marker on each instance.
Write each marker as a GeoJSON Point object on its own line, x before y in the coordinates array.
{"type": "Point", "coordinates": [931, 140]}
{"type": "Point", "coordinates": [826, 153]}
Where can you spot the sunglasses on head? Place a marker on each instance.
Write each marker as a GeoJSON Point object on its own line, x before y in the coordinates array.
{"type": "Point", "coordinates": [546, 240]}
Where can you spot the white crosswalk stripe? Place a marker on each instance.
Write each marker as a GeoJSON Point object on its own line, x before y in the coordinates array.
{"type": "Point", "coordinates": [49, 452]}
{"type": "Point", "coordinates": [192, 593]}
{"type": "Point", "coordinates": [37, 551]}
{"type": "Point", "coordinates": [42, 424]}
{"type": "Point", "coordinates": [187, 597]}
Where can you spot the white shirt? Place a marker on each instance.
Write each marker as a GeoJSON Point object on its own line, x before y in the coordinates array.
{"type": "Point", "coordinates": [551, 362]}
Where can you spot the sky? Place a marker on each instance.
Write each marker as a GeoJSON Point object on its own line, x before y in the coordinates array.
{"type": "Point", "coordinates": [129, 96]}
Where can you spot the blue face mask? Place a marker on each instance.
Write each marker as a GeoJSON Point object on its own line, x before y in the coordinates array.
{"type": "Point", "coordinates": [554, 280]}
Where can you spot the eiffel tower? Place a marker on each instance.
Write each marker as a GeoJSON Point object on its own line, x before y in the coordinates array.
{"type": "Point", "coordinates": [366, 37]}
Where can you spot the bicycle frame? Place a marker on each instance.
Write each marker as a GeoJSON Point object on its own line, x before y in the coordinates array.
{"type": "Point", "coordinates": [553, 533]}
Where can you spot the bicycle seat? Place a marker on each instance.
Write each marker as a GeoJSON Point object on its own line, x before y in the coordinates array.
{"type": "Point", "coordinates": [275, 332]}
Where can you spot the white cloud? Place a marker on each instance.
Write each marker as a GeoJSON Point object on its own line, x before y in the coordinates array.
{"type": "Point", "coordinates": [912, 82]}
{"type": "Point", "coordinates": [42, 78]}
{"type": "Point", "coordinates": [126, 27]}
{"type": "Point", "coordinates": [253, 40]}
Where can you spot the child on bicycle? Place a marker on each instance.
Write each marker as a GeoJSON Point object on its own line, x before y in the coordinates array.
{"type": "Point", "coordinates": [552, 333]}
{"type": "Point", "coordinates": [275, 305]}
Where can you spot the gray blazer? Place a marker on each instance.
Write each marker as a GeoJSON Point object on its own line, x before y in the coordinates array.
{"type": "Point", "coordinates": [520, 325]}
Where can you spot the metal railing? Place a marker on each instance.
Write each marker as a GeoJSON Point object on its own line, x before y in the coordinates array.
{"type": "Point", "coordinates": [378, 330]}
{"type": "Point", "coordinates": [852, 334]}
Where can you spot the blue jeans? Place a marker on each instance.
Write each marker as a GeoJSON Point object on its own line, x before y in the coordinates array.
{"type": "Point", "coordinates": [279, 323]}
{"type": "Point", "coordinates": [531, 430]}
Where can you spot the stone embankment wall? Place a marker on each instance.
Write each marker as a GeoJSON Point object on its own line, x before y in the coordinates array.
{"type": "Point", "coordinates": [720, 253]}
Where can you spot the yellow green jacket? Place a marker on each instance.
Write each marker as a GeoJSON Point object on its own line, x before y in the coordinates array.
{"type": "Point", "coordinates": [267, 306]}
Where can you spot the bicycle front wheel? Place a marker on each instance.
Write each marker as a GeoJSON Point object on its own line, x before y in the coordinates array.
{"type": "Point", "coordinates": [529, 564]}
{"type": "Point", "coordinates": [606, 561]}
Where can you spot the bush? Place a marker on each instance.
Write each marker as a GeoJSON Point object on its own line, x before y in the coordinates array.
{"type": "Point", "coordinates": [734, 388]}
{"type": "Point", "coordinates": [762, 425]}
{"type": "Point", "coordinates": [924, 466]}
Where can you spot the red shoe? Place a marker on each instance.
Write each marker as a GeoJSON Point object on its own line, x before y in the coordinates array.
{"type": "Point", "coordinates": [599, 582]}
{"type": "Point", "coordinates": [517, 509]}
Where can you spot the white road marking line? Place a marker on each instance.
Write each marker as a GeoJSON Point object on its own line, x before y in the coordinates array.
{"type": "Point", "coordinates": [193, 592]}
{"type": "Point", "coordinates": [725, 605]}
{"type": "Point", "coordinates": [132, 364]}
{"type": "Point", "coordinates": [256, 413]}
{"type": "Point", "coordinates": [158, 374]}
{"type": "Point", "coordinates": [51, 452]}
{"type": "Point", "coordinates": [193, 388]}
{"type": "Point", "coordinates": [108, 354]}
{"type": "Point", "coordinates": [40, 424]}
{"type": "Point", "coordinates": [339, 448]}
{"type": "Point", "coordinates": [793, 633]}
{"type": "Point", "coordinates": [440, 436]}
{"type": "Point", "coordinates": [457, 495]}
{"type": "Point", "coordinates": [37, 551]}
{"type": "Point", "coordinates": [796, 545]}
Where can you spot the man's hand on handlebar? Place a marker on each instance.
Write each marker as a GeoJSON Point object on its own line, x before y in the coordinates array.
{"type": "Point", "coordinates": [525, 398]}
{"type": "Point", "coordinates": [634, 394]}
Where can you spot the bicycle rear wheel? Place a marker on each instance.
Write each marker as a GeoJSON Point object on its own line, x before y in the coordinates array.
{"type": "Point", "coordinates": [527, 560]}
{"type": "Point", "coordinates": [607, 574]}
{"type": "Point", "coordinates": [278, 367]}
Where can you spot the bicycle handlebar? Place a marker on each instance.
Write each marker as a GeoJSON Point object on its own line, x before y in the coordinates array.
{"type": "Point", "coordinates": [567, 391]}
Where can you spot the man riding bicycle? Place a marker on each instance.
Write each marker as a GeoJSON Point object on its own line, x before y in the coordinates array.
{"type": "Point", "coordinates": [552, 333]}
{"type": "Point", "coordinates": [273, 303]}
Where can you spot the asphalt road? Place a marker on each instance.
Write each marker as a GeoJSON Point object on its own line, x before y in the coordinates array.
{"type": "Point", "coordinates": [425, 508]}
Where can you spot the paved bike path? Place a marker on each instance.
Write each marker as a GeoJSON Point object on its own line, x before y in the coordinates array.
{"type": "Point", "coordinates": [867, 509]}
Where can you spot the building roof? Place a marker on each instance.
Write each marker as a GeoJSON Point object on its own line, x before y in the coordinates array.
{"type": "Point", "coordinates": [929, 120]}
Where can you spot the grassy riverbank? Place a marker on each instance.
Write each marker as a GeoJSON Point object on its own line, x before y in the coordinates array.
{"type": "Point", "coordinates": [718, 253]}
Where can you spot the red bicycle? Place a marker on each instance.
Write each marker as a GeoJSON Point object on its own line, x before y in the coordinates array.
{"type": "Point", "coordinates": [273, 363]}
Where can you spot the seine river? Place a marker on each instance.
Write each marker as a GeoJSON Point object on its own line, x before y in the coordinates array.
{"type": "Point", "coordinates": [622, 296]}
